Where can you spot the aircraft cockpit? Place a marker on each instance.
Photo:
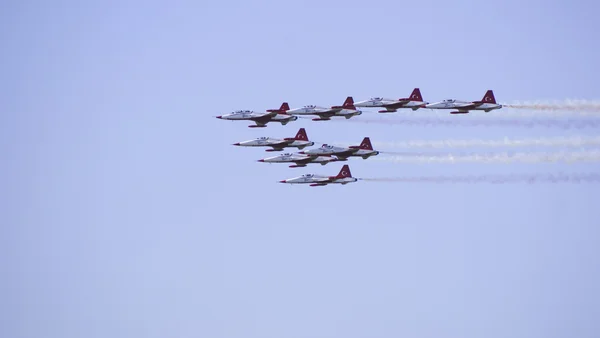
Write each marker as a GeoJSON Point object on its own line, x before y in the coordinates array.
{"type": "Point", "coordinates": [308, 175]}
{"type": "Point", "coordinates": [376, 98]}
{"type": "Point", "coordinates": [262, 138]}
{"type": "Point", "coordinates": [310, 106]}
{"type": "Point", "coordinates": [286, 155]}
{"type": "Point", "coordinates": [449, 100]}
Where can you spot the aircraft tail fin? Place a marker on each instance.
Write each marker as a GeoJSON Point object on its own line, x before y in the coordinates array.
{"type": "Point", "coordinates": [489, 97]}
{"type": "Point", "coordinates": [366, 144]}
{"type": "Point", "coordinates": [416, 95]}
{"type": "Point", "coordinates": [344, 172]}
{"type": "Point", "coordinates": [301, 135]}
{"type": "Point", "coordinates": [348, 104]}
{"type": "Point", "coordinates": [284, 108]}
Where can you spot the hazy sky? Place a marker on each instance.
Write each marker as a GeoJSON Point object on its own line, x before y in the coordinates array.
{"type": "Point", "coordinates": [126, 212]}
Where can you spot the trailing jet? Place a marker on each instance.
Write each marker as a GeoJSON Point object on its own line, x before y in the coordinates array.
{"type": "Point", "coordinates": [487, 104]}
{"type": "Point", "coordinates": [364, 150]}
{"type": "Point", "coordinates": [300, 141]}
{"type": "Point", "coordinates": [344, 177]}
{"type": "Point", "coordinates": [414, 102]}
{"type": "Point", "coordinates": [346, 110]}
{"type": "Point", "coordinates": [300, 160]}
{"type": "Point", "coordinates": [261, 119]}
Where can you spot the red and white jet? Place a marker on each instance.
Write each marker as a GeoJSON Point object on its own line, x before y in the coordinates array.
{"type": "Point", "coordinates": [300, 141]}
{"type": "Point", "coordinates": [414, 102]}
{"type": "Point", "coordinates": [346, 110]}
{"type": "Point", "coordinates": [487, 104]}
{"type": "Point", "coordinates": [344, 177]}
{"type": "Point", "coordinates": [261, 119]}
{"type": "Point", "coordinates": [364, 150]}
{"type": "Point", "coordinates": [300, 160]}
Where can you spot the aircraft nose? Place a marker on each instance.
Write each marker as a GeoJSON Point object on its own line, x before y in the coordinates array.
{"type": "Point", "coordinates": [301, 152]}
{"type": "Point", "coordinates": [261, 160]}
{"type": "Point", "coordinates": [283, 181]}
{"type": "Point", "coordinates": [220, 116]}
{"type": "Point", "coordinates": [236, 144]}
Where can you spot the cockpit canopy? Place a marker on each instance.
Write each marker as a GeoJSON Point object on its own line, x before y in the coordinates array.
{"type": "Point", "coordinates": [376, 99]}
{"type": "Point", "coordinates": [308, 175]}
{"type": "Point", "coordinates": [310, 106]}
{"type": "Point", "coordinates": [287, 155]}
{"type": "Point", "coordinates": [242, 111]}
{"type": "Point", "coordinates": [262, 138]}
{"type": "Point", "coordinates": [449, 100]}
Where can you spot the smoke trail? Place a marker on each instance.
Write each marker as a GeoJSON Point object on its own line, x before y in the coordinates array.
{"type": "Point", "coordinates": [569, 157]}
{"type": "Point", "coordinates": [566, 105]}
{"type": "Point", "coordinates": [576, 141]}
{"type": "Point", "coordinates": [495, 179]}
{"type": "Point", "coordinates": [429, 122]}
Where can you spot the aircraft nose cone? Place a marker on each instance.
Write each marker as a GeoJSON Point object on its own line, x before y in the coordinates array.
{"type": "Point", "coordinates": [220, 117]}
{"type": "Point", "coordinates": [302, 153]}
{"type": "Point", "coordinates": [236, 144]}
{"type": "Point", "coordinates": [261, 160]}
{"type": "Point", "coordinates": [283, 181]}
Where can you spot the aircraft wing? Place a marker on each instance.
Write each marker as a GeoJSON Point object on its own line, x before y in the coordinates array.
{"type": "Point", "coordinates": [393, 106]}
{"type": "Point", "coordinates": [465, 105]}
{"type": "Point", "coordinates": [263, 119]}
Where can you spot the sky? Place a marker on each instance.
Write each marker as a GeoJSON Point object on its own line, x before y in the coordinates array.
{"type": "Point", "coordinates": [126, 211]}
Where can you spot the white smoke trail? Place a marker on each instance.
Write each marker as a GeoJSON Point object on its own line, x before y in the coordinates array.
{"type": "Point", "coordinates": [496, 179]}
{"type": "Point", "coordinates": [430, 122]}
{"type": "Point", "coordinates": [580, 106]}
{"type": "Point", "coordinates": [575, 141]}
{"type": "Point", "coordinates": [569, 157]}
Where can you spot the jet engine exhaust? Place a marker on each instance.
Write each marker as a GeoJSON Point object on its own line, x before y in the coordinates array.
{"type": "Point", "coordinates": [496, 179]}
{"type": "Point", "coordinates": [574, 141]}
{"type": "Point", "coordinates": [568, 157]}
{"type": "Point", "coordinates": [429, 122]}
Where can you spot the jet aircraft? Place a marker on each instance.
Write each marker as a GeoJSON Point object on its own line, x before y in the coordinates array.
{"type": "Point", "coordinates": [261, 119]}
{"type": "Point", "coordinates": [343, 177]}
{"type": "Point", "coordinates": [300, 141]}
{"type": "Point", "coordinates": [346, 110]}
{"type": "Point", "coordinates": [414, 102]}
{"type": "Point", "coordinates": [364, 150]}
{"type": "Point", "coordinates": [487, 104]}
{"type": "Point", "coordinates": [300, 160]}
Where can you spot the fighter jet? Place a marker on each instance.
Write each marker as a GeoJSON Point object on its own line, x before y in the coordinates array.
{"type": "Point", "coordinates": [300, 141]}
{"type": "Point", "coordinates": [346, 110]}
{"type": "Point", "coordinates": [300, 160]}
{"type": "Point", "coordinates": [487, 104]}
{"type": "Point", "coordinates": [344, 177]}
{"type": "Point", "coordinates": [261, 119]}
{"type": "Point", "coordinates": [364, 150]}
{"type": "Point", "coordinates": [414, 102]}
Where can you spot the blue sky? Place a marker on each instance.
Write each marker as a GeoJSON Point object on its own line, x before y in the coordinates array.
{"type": "Point", "coordinates": [126, 212]}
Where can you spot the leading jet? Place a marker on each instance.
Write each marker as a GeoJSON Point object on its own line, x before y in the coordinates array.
{"type": "Point", "coordinates": [300, 160]}
{"type": "Point", "coordinates": [261, 119]}
{"type": "Point", "coordinates": [346, 110]}
{"type": "Point", "coordinates": [414, 102]}
{"type": "Point", "coordinates": [300, 141]}
{"type": "Point", "coordinates": [364, 150]}
{"type": "Point", "coordinates": [343, 177]}
{"type": "Point", "coordinates": [487, 104]}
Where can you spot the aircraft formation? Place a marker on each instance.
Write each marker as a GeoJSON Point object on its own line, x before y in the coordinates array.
{"type": "Point", "coordinates": [329, 153]}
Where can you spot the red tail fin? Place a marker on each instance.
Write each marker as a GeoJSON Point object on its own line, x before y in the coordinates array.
{"type": "Point", "coordinates": [416, 95]}
{"type": "Point", "coordinates": [489, 97]}
{"type": "Point", "coordinates": [349, 103]}
{"type": "Point", "coordinates": [284, 107]}
{"type": "Point", "coordinates": [344, 172]}
{"type": "Point", "coordinates": [366, 144]}
{"type": "Point", "coordinates": [301, 135]}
